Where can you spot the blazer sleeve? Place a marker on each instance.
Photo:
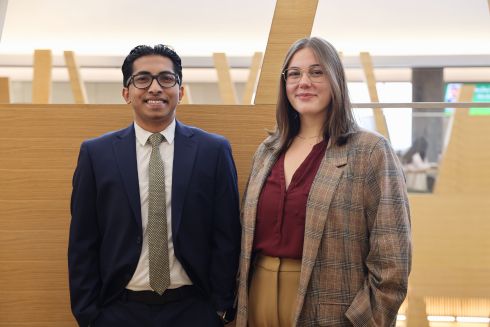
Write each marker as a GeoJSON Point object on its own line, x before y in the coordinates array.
{"type": "Point", "coordinates": [226, 231]}
{"type": "Point", "coordinates": [389, 259]}
{"type": "Point", "coordinates": [83, 245]}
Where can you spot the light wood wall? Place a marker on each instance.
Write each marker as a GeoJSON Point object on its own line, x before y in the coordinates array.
{"type": "Point", "coordinates": [450, 231]}
{"type": "Point", "coordinates": [38, 151]}
{"type": "Point", "coordinates": [451, 261]}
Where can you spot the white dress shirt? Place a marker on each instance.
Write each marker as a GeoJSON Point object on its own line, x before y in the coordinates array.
{"type": "Point", "coordinates": [178, 277]}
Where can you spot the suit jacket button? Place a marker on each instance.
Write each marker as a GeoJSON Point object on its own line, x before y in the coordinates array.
{"type": "Point", "coordinates": [138, 240]}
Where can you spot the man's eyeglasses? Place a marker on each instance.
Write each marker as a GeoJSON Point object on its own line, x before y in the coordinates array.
{"type": "Point", "coordinates": [293, 75]}
{"type": "Point", "coordinates": [144, 80]}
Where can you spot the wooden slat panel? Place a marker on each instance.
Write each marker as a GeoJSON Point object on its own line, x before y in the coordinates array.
{"type": "Point", "coordinates": [451, 252]}
{"type": "Point", "coordinates": [74, 123]}
{"type": "Point", "coordinates": [226, 86]}
{"type": "Point", "coordinates": [232, 122]}
{"type": "Point", "coordinates": [463, 307]}
{"type": "Point", "coordinates": [450, 231]}
{"type": "Point", "coordinates": [57, 121]}
{"type": "Point", "coordinates": [253, 75]}
{"type": "Point", "coordinates": [35, 184]}
{"type": "Point", "coordinates": [77, 86]}
{"type": "Point", "coordinates": [451, 245]}
{"type": "Point", "coordinates": [379, 117]}
{"type": "Point", "coordinates": [292, 20]}
{"type": "Point", "coordinates": [33, 237]}
{"type": "Point", "coordinates": [41, 82]}
{"type": "Point", "coordinates": [4, 90]}
{"type": "Point", "coordinates": [35, 308]}
{"type": "Point", "coordinates": [38, 275]}
{"type": "Point", "coordinates": [21, 215]}
{"type": "Point", "coordinates": [33, 245]}
{"type": "Point", "coordinates": [45, 153]}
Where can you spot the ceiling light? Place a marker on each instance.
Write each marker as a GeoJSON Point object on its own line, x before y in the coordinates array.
{"type": "Point", "coordinates": [473, 319]}
{"type": "Point", "coordinates": [441, 318]}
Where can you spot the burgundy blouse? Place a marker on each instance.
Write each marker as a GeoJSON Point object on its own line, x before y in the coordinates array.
{"type": "Point", "coordinates": [280, 223]}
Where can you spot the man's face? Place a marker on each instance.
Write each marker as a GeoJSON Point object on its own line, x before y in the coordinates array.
{"type": "Point", "coordinates": [154, 106]}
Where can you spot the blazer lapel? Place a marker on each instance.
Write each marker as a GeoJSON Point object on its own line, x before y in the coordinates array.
{"type": "Point", "coordinates": [263, 165]}
{"type": "Point", "coordinates": [317, 207]}
{"type": "Point", "coordinates": [125, 152]}
{"type": "Point", "coordinates": [185, 150]}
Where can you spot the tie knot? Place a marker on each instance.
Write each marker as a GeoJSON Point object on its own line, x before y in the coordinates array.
{"type": "Point", "coordinates": [156, 139]}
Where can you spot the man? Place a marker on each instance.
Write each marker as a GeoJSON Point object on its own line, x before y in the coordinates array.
{"type": "Point", "coordinates": [155, 231]}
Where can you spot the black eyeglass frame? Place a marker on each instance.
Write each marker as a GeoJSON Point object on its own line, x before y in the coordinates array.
{"type": "Point", "coordinates": [153, 77]}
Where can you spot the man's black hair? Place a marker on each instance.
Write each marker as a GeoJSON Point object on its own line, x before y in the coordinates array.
{"type": "Point", "coordinates": [145, 50]}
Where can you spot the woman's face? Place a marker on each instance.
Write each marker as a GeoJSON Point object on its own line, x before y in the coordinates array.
{"type": "Point", "coordinates": [307, 85]}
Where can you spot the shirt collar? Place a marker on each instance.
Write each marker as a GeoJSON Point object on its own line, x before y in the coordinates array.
{"type": "Point", "coordinates": [142, 135]}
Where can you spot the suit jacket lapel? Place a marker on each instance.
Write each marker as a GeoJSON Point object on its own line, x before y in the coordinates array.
{"type": "Point", "coordinates": [317, 207]}
{"type": "Point", "coordinates": [185, 150]}
{"type": "Point", "coordinates": [125, 152]}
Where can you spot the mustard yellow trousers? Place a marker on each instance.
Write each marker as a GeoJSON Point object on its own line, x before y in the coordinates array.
{"type": "Point", "coordinates": [273, 291]}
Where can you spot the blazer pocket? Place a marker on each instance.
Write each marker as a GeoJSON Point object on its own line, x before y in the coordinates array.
{"type": "Point", "coordinates": [332, 314]}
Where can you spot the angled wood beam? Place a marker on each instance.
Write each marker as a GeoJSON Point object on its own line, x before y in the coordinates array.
{"type": "Point", "coordinates": [187, 98]}
{"type": "Point", "coordinates": [463, 156]}
{"type": "Point", "coordinates": [251, 85]}
{"type": "Point", "coordinates": [226, 87]}
{"type": "Point", "coordinates": [4, 90]}
{"type": "Point", "coordinates": [41, 82]}
{"type": "Point", "coordinates": [292, 20]}
{"type": "Point", "coordinates": [77, 86]}
{"type": "Point", "coordinates": [379, 118]}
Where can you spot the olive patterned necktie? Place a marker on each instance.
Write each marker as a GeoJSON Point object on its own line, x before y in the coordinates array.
{"type": "Point", "coordinates": [157, 219]}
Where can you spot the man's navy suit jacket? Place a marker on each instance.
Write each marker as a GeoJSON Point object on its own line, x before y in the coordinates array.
{"type": "Point", "coordinates": [106, 230]}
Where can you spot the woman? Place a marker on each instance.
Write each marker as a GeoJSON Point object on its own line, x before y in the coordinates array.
{"type": "Point", "coordinates": [326, 225]}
